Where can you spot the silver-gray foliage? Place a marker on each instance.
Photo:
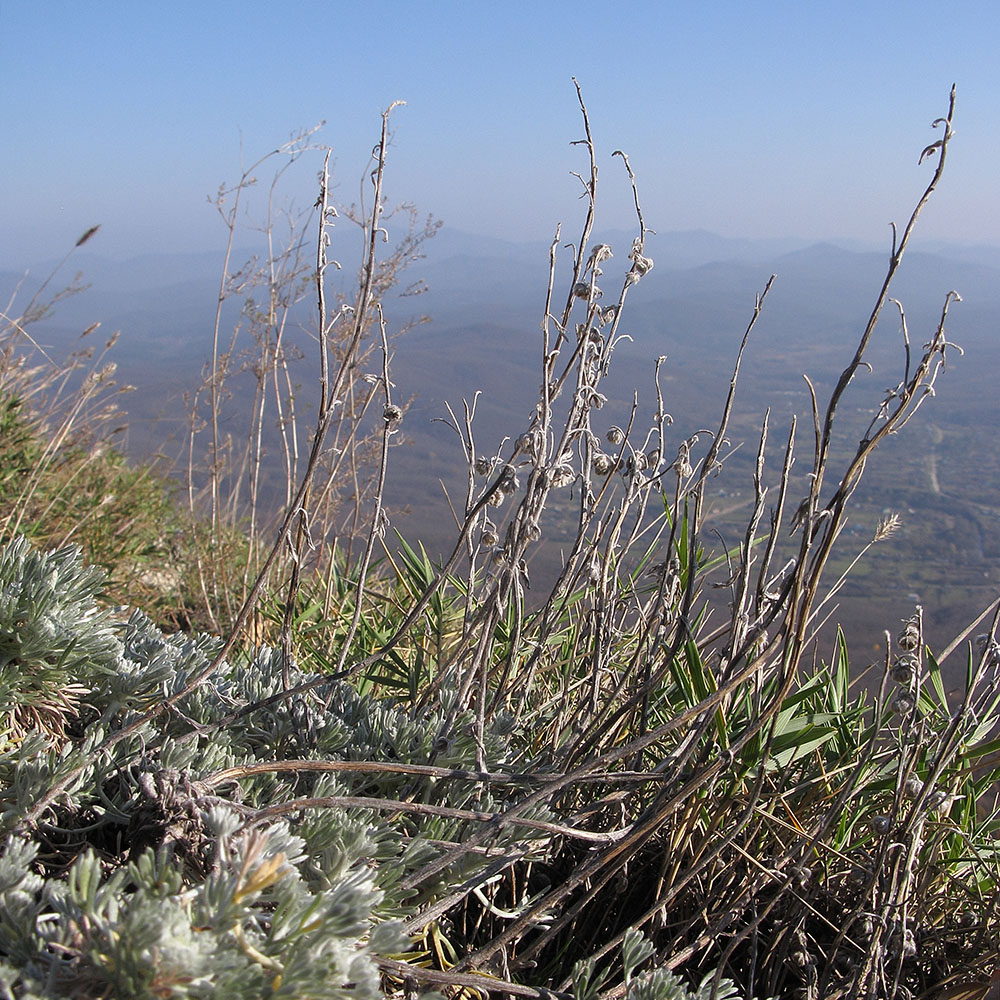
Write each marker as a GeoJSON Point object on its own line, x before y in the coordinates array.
{"type": "Point", "coordinates": [144, 879]}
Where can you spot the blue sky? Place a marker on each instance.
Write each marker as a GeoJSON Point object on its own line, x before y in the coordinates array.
{"type": "Point", "coordinates": [749, 119]}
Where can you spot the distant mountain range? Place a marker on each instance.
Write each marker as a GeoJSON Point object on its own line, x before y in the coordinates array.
{"type": "Point", "coordinates": [485, 298]}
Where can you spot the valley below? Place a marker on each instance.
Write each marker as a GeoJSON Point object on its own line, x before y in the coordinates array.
{"type": "Point", "coordinates": [940, 475]}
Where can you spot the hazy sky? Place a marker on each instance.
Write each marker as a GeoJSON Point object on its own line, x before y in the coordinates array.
{"type": "Point", "coordinates": [800, 118]}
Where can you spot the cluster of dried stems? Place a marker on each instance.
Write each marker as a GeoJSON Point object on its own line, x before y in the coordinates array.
{"type": "Point", "coordinates": [667, 775]}
{"type": "Point", "coordinates": [255, 372]}
{"type": "Point", "coordinates": [71, 402]}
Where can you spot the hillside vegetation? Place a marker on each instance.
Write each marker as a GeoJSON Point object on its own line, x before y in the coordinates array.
{"type": "Point", "coordinates": [245, 755]}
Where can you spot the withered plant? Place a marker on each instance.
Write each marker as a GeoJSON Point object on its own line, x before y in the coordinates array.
{"type": "Point", "coordinates": [588, 792]}
{"type": "Point", "coordinates": [259, 375]}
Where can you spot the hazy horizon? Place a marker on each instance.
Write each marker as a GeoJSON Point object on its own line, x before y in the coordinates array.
{"type": "Point", "coordinates": [941, 475]}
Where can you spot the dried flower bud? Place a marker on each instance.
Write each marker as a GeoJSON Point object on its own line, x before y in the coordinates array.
{"type": "Point", "coordinates": [881, 825]}
{"type": "Point", "coordinates": [615, 436]}
{"type": "Point", "coordinates": [909, 638]}
{"type": "Point", "coordinates": [602, 464]}
{"type": "Point", "coordinates": [903, 703]}
{"type": "Point", "coordinates": [636, 463]}
{"type": "Point", "coordinates": [509, 482]}
{"type": "Point", "coordinates": [561, 474]}
{"type": "Point", "coordinates": [489, 538]}
{"type": "Point", "coordinates": [904, 668]}
{"type": "Point", "coordinates": [581, 290]}
{"type": "Point", "coordinates": [498, 499]}
{"type": "Point", "coordinates": [392, 414]}
{"type": "Point", "coordinates": [599, 254]}
{"type": "Point", "coordinates": [483, 466]}
{"type": "Point", "coordinates": [640, 265]}
{"type": "Point", "coordinates": [913, 787]}
{"type": "Point", "coordinates": [524, 443]}
{"type": "Point", "coordinates": [682, 466]}
{"type": "Point", "coordinates": [533, 532]}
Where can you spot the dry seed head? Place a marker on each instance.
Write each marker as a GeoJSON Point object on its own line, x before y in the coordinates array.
{"type": "Point", "coordinates": [903, 703]}
{"type": "Point", "coordinates": [886, 527]}
{"type": "Point", "coordinates": [483, 466]}
{"type": "Point", "coordinates": [87, 235]}
{"type": "Point", "coordinates": [501, 559]}
{"type": "Point", "coordinates": [561, 474]}
{"type": "Point", "coordinates": [615, 436]}
{"type": "Point", "coordinates": [640, 265]}
{"type": "Point", "coordinates": [489, 538]}
{"type": "Point", "coordinates": [527, 444]}
{"type": "Point", "coordinates": [509, 479]}
{"type": "Point", "coordinates": [392, 415]}
{"type": "Point", "coordinates": [913, 787]}
{"type": "Point", "coordinates": [904, 669]}
{"type": "Point", "coordinates": [881, 825]}
{"type": "Point", "coordinates": [682, 466]}
{"type": "Point", "coordinates": [599, 254]}
{"type": "Point", "coordinates": [909, 638]}
{"type": "Point", "coordinates": [602, 464]}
